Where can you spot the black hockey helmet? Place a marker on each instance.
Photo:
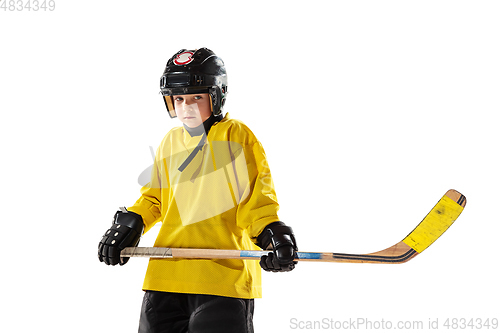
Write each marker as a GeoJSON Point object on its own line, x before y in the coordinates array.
{"type": "Point", "coordinates": [194, 72]}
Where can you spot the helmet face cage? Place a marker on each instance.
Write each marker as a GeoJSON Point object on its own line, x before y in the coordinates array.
{"type": "Point", "coordinates": [194, 72]}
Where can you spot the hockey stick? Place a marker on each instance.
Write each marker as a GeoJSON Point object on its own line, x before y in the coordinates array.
{"type": "Point", "coordinates": [439, 219]}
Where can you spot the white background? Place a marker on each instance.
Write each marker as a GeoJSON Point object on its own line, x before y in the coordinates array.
{"type": "Point", "coordinates": [369, 112]}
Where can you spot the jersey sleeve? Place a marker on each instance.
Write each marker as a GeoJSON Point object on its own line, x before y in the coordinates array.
{"type": "Point", "coordinates": [259, 205]}
{"type": "Point", "coordinates": [149, 203]}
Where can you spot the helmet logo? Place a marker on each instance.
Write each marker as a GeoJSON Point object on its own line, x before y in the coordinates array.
{"type": "Point", "coordinates": [184, 58]}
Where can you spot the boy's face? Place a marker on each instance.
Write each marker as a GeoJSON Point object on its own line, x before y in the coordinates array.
{"type": "Point", "coordinates": [192, 110]}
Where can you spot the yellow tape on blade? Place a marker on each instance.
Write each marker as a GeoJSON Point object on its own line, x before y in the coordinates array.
{"type": "Point", "coordinates": [434, 224]}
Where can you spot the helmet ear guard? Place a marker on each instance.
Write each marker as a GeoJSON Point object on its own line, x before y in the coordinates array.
{"type": "Point", "coordinates": [218, 98]}
{"type": "Point", "coordinates": [169, 103]}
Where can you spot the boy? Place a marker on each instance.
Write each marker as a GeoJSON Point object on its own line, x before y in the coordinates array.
{"type": "Point", "coordinates": [210, 188]}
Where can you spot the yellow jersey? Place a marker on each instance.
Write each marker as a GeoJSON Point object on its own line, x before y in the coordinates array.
{"type": "Point", "coordinates": [221, 196]}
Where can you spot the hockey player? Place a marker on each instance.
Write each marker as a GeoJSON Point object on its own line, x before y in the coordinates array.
{"type": "Point", "coordinates": [210, 188]}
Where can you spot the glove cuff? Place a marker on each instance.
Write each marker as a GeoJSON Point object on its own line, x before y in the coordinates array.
{"type": "Point", "coordinates": [129, 219]}
{"type": "Point", "coordinates": [276, 234]}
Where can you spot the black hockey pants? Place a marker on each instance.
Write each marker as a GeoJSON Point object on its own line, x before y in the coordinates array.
{"type": "Point", "coordinates": [187, 313]}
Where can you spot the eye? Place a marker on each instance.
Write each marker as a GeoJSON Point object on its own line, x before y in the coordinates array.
{"type": "Point", "coordinates": [178, 99]}
{"type": "Point", "coordinates": [197, 97]}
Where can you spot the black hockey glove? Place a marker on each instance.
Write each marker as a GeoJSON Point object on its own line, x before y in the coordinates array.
{"type": "Point", "coordinates": [280, 238]}
{"type": "Point", "coordinates": [126, 231]}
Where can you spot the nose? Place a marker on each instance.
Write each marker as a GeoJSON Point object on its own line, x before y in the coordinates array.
{"type": "Point", "coordinates": [188, 108]}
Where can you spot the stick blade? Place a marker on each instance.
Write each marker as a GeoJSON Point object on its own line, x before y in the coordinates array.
{"type": "Point", "coordinates": [439, 219]}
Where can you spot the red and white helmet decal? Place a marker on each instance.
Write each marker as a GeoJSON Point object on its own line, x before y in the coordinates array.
{"type": "Point", "coordinates": [184, 58]}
